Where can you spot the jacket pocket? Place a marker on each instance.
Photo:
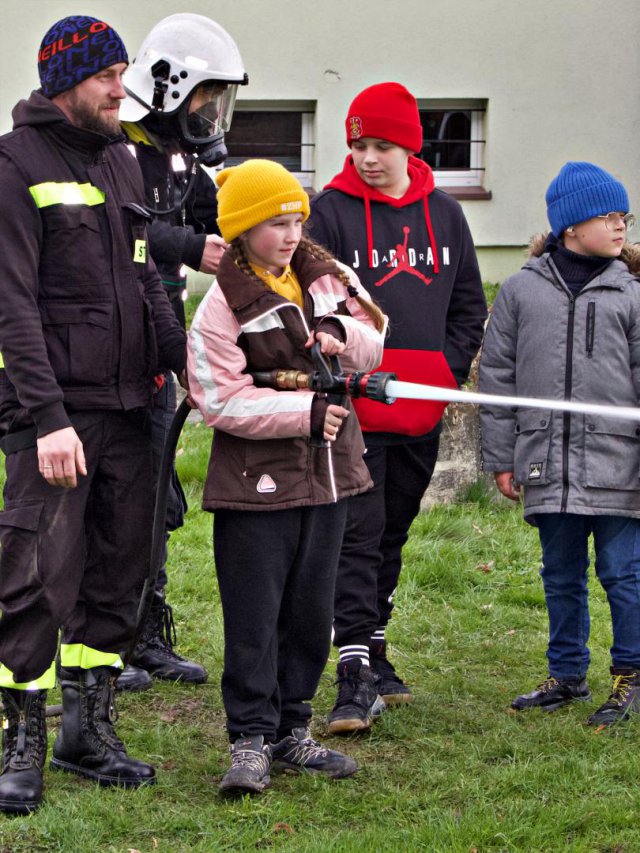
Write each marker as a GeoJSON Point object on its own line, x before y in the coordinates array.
{"type": "Point", "coordinates": [73, 249]}
{"type": "Point", "coordinates": [611, 453]}
{"type": "Point", "coordinates": [275, 470]}
{"type": "Point", "coordinates": [79, 340]}
{"type": "Point", "coordinates": [531, 454]}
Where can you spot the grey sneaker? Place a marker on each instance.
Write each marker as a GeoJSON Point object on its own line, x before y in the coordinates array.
{"type": "Point", "coordinates": [553, 693]}
{"type": "Point", "coordinates": [300, 752]}
{"type": "Point", "coordinates": [250, 765]}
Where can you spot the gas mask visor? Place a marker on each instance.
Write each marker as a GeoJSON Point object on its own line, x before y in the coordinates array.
{"type": "Point", "coordinates": [207, 114]}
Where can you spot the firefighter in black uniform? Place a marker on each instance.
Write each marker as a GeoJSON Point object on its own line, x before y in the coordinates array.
{"type": "Point", "coordinates": [181, 89]}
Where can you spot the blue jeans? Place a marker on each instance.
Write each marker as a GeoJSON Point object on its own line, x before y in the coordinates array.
{"type": "Point", "coordinates": [564, 539]}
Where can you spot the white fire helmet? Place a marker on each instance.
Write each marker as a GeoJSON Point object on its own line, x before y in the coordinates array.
{"type": "Point", "coordinates": [181, 53]}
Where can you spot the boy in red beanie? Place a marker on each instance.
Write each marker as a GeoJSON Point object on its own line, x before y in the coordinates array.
{"type": "Point", "coordinates": [411, 247]}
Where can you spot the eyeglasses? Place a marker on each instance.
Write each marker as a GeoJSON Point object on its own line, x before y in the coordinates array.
{"type": "Point", "coordinates": [612, 220]}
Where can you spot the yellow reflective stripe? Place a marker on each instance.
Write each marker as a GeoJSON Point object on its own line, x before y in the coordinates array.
{"type": "Point", "coordinates": [52, 192]}
{"type": "Point", "coordinates": [46, 681]}
{"type": "Point", "coordinates": [1, 360]}
{"type": "Point", "coordinates": [79, 655]}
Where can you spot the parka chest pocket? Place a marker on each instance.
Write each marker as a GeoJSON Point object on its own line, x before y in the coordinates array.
{"type": "Point", "coordinates": [73, 248]}
{"type": "Point", "coordinates": [136, 219]}
{"type": "Point", "coordinates": [533, 440]}
{"type": "Point", "coordinates": [611, 453]}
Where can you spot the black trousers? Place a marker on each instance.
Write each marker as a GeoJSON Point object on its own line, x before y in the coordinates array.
{"type": "Point", "coordinates": [76, 557]}
{"type": "Point", "coordinates": [378, 523]}
{"type": "Point", "coordinates": [276, 574]}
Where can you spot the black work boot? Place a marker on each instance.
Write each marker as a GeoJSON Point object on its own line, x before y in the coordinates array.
{"type": "Point", "coordinates": [154, 651]}
{"type": "Point", "coordinates": [24, 749]}
{"type": "Point", "coordinates": [133, 679]}
{"type": "Point", "coordinates": [390, 686]}
{"type": "Point", "coordinates": [358, 701]}
{"type": "Point", "coordinates": [623, 700]}
{"type": "Point", "coordinates": [87, 743]}
{"type": "Point", "coordinates": [552, 694]}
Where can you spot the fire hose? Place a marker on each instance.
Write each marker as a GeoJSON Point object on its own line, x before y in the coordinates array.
{"type": "Point", "coordinates": [329, 378]}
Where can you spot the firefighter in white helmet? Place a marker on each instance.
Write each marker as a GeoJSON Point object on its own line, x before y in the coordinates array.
{"type": "Point", "coordinates": [181, 91]}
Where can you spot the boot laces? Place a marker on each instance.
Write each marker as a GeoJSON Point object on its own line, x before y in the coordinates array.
{"type": "Point", "coordinates": [103, 724]}
{"type": "Point", "coordinates": [547, 685]}
{"type": "Point", "coordinates": [161, 631]}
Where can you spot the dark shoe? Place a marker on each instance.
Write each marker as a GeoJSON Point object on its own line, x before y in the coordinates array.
{"type": "Point", "coordinates": [133, 679]}
{"type": "Point", "coordinates": [87, 743]}
{"type": "Point", "coordinates": [299, 751]}
{"type": "Point", "coordinates": [358, 701]}
{"type": "Point", "coordinates": [154, 651]}
{"type": "Point", "coordinates": [250, 766]}
{"type": "Point", "coordinates": [390, 686]}
{"type": "Point", "coordinates": [553, 694]}
{"type": "Point", "coordinates": [24, 749]}
{"type": "Point", "coordinates": [624, 699]}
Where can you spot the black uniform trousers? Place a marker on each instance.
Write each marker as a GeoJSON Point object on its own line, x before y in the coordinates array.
{"type": "Point", "coordinates": [276, 573]}
{"type": "Point", "coordinates": [377, 527]}
{"type": "Point", "coordinates": [76, 557]}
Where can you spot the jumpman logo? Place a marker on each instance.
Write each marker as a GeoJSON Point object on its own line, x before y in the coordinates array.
{"type": "Point", "coordinates": [401, 262]}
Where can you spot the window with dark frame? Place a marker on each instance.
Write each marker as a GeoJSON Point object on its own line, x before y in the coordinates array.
{"type": "Point", "coordinates": [283, 135]}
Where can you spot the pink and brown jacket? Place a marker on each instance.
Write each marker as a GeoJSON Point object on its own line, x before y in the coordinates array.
{"type": "Point", "coordinates": [262, 456]}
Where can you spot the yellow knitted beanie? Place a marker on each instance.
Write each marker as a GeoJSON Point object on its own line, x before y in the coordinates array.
{"type": "Point", "coordinates": [254, 191]}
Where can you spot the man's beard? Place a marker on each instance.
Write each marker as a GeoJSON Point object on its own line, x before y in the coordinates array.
{"type": "Point", "coordinates": [95, 119]}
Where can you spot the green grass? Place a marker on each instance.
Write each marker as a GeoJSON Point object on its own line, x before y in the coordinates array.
{"type": "Point", "coordinates": [456, 771]}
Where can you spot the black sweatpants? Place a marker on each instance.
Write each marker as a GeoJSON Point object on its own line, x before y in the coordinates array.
{"type": "Point", "coordinates": [378, 523]}
{"type": "Point", "coordinates": [276, 574]}
{"type": "Point", "coordinates": [76, 557]}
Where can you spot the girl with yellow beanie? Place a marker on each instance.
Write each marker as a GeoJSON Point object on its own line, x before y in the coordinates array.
{"type": "Point", "coordinates": [281, 464]}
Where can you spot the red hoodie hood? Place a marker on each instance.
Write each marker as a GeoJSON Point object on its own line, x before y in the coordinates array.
{"type": "Point", "coordinates": [422, 185]}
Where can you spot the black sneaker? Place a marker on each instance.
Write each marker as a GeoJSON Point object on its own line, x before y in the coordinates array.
{"type": "Point", "coordinates": [299, 751]}
{"type": "Point", "coordinates": [624, 699]}
{"type": "Point", "coordinates": [358, 701]}
{"type": "Point", "coordinates": [552, 694]}
{"type": "Point", "coordinates": [390, 686]}
{"type": "Point", "coordinates": [250, 765]}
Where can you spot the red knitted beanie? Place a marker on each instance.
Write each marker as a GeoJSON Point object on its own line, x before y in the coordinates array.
{"type": "Point", "coordinates": [385, 111]}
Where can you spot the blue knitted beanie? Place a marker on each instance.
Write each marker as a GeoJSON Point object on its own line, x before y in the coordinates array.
{"type": "Point", "coordinates": [75, 48]}
{"type": "Point", "coordinates": [581, 191]}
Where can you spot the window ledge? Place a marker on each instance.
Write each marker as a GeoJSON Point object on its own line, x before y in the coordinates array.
{"type": "Point", "coordinates": [468, 193]}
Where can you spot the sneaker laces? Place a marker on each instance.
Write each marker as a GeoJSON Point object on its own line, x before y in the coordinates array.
{"type": "Point", "coordinates": [305, 751]}
{"type": "Point", "coordinates": [546, 686]}
{"type": "Point", "coordinates": [622, 684]}
{"type": "Point", "coordinates": [250, 758]}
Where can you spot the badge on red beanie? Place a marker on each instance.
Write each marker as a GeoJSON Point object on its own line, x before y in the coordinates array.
{"type": "Point", "coordinates": [355, 127]}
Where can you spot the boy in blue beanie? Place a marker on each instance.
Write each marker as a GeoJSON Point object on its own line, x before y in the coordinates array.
{"type": "Point", "coordinates": [567, 326]}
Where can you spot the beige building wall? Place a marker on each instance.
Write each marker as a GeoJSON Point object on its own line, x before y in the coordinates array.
{"type": "Point", "coordinates": [561, 79]}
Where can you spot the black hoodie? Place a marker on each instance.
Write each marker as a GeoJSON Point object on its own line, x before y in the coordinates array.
{"type": "Point", "coordinates": [416, 258]}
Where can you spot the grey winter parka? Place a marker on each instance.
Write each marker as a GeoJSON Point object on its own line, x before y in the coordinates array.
{"type": "Point", "coordinates": [543, 342]}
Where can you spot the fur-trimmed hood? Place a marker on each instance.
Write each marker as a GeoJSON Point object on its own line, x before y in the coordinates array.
{"type": "Point", "coordinates": [630, 254]}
